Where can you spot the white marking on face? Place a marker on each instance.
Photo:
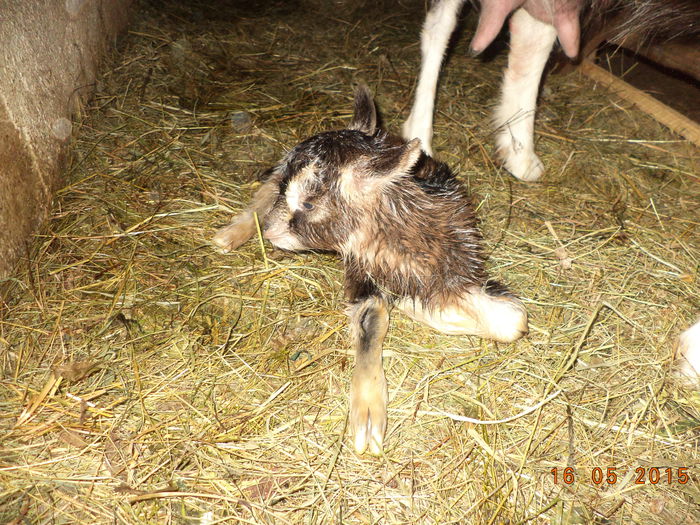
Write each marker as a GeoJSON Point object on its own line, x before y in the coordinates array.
{"type": "Point", "coordinates": [297, 187]}
{"type": "Point", "coordinates": [350, 184]}
{"type": "Point", "coordinates": [293, 196]}
{"type": "Point", "coordinates": [277, 232]}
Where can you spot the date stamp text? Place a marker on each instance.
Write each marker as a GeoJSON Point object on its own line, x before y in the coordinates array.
{"type": "Point", "coordinates": [610, 475]}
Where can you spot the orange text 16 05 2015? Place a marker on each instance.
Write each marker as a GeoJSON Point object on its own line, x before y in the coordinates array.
{"type": "Point", "coordinates": [611, 475]}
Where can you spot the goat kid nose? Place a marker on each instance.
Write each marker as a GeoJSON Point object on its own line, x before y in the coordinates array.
{"type": "Point", "coordinates": [265, 230]}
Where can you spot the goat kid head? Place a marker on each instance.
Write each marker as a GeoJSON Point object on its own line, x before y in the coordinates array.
{"type": "Point", "coordinates": [330, 183]}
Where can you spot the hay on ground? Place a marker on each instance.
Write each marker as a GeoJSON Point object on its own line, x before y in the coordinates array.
{"type": "Point", "coordinates": [149, 379]}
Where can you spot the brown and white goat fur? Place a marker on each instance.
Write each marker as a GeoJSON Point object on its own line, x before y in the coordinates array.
{"type": "Point", "coordinates": [408, 238]}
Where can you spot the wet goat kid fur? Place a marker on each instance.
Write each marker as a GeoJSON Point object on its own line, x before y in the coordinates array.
{"type": "Point", "coordinates": [408, 236]}
{"type": "Point", "coordinates": [411, 231]}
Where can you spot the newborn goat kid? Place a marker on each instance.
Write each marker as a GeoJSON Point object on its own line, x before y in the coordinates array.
{"type": "Point", "coordinates": [408, 237]}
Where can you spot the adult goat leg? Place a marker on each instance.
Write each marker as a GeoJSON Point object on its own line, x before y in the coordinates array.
{"type": "Point", "coordinates": [439, 24]}
{"type": "Point", "coordinates": [531, 42]}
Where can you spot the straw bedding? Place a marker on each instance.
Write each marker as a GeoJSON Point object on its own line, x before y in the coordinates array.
{"type": "Point", "coordinates": [149, 379]}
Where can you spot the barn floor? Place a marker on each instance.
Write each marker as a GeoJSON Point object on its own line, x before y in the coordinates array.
{"type": "Point", "coordinates": [148, 379]}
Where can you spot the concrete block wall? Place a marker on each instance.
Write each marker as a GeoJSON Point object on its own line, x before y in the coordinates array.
{"type": "Point", "coordinates": [49, 55]}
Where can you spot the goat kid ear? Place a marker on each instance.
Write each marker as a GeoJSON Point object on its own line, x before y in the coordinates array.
{"type": "Point", "coordinates": [397, 162]}
{"type": "Point", "coordinates": [372, 178]}
{"type": "Point", "coordinates": [364, 116]}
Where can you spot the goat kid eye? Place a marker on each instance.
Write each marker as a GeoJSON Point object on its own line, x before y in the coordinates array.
{"type": "Point", "coordinates": [307, 205]}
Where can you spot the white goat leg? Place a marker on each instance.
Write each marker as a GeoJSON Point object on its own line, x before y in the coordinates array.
{"type": "Point", "coordinates": [501, 318]}
{"type": "Point", "coordinates": [437, 30]}
{"type": "Point", "coordinates": [688, 354]}
{"type": "Point", "coordinates": [531, 42]}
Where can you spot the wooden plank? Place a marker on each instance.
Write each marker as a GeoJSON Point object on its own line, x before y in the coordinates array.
{"type": "Point", "coordinates": [672, 119]}
{"type": "Point", "coordinates": [683, 57]}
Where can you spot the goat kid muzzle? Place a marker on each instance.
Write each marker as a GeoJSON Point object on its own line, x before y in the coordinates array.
{"type": "Point", "coordinates": [279, 235]}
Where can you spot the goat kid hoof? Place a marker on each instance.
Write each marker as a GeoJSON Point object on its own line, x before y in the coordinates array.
{"type": "Point", "coordinates": [368, 417]}
{"type": "Point", "coordinates": [523, 165]}
{"type": "Point", "coordinates": [513, 321]}
{"type": "Point", "coordinates": [425, 134]}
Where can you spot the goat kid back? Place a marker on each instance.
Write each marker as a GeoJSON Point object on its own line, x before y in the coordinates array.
{"type": "Point", "coordinates": [406, 232]}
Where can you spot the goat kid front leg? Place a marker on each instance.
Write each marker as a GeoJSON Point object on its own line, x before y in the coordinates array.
{"type": "Point", "coordinates": [439, 25]}
{"type": "Point", "coordinates": [369, 321]}
{"type": "Point", "coordinates": [531, 42]}
{"type": "Point", "coordinates": [243, 226]}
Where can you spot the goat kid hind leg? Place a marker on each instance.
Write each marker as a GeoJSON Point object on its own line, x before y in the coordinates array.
{"type": "Point", "coordinates": [439, 25]}
{"type": "Point", "coordinates": [490, 314]}
{"type": "Point", "coordinates": [531, 42]}
{"type": "Point", "coordinates": [369, 321]}
{"type": "Point", "coordinates": [243, 226]}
